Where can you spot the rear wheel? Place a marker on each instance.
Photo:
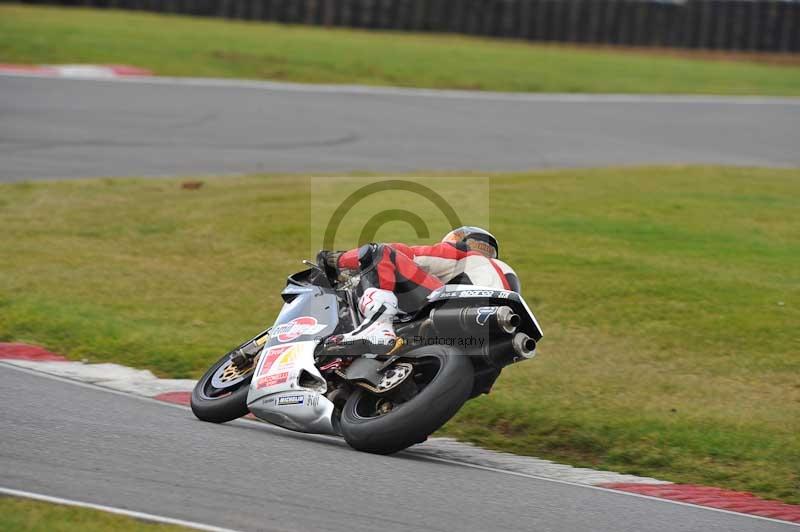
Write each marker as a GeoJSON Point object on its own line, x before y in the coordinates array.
{"type": "Point", "coordinates": [221, 394]}
{"type": "Point", "coordinates": [439, 386]}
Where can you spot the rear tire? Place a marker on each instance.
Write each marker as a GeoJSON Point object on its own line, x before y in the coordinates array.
{"type": "Point", "coordinates": [220, 404]}
{"type": "Point", "coordinates": [412, 421]}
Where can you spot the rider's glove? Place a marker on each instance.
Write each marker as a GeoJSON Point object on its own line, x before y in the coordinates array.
{"type": "Point", "coordinates": [329, 260]}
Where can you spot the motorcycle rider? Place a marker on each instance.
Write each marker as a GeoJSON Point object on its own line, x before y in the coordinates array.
{"type": "Point", "coordinates": [398, 277]}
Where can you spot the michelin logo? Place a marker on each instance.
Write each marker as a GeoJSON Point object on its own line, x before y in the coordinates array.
{"type": "Point", "coordinates": [290, 400]}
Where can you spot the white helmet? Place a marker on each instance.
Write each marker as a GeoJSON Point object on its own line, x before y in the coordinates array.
{"type": "Point", "coordinates": [475, 239]}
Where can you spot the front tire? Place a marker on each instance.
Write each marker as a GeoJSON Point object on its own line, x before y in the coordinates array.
{"type": "Point", "coordinates": [221, 394]}
{"type": "Point", "coordinates": [448, 386]}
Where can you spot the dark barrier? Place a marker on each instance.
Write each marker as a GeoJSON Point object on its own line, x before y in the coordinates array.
{"type": "Point", "coordinates": [755, 25]}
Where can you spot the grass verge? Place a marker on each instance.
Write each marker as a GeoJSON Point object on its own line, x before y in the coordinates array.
{"type": "Point", "coordinates": [668, 295]}
{"type": "Point", "coordinates": [184, 46]}
{"type": "Point", "coordinates": [35, 516]}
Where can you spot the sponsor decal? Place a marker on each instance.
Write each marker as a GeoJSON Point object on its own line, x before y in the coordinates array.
{"type": "Point", "coordinates": [484, 313]}
{"type": "Point", "coordinates": [304, 325]}
{"type": "Point", "coordinates": [447, 294]}
{"type": "Point", "coordinates": [272, 380]}
{"type": "Point", "coordinates": [476, 293]}
{"type": "Point", "coordinates": [287, 359]}
{"type": "Point", "coordinates": [271, 356]}
{"type": "Point", "coordinates": [290, 400]}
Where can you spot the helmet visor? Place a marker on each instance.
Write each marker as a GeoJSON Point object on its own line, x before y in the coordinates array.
{"type": "Point", "coordinates": [481, 246]}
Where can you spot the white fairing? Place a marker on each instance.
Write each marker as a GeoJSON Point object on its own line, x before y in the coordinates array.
{"type": "Point", "coordinates": [276, 394]}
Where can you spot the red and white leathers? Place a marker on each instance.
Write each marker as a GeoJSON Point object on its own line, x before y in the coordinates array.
{"type": "Point", "coordinates": [398, 276]}
{"type": "Point", "coordinates": [413, 272]}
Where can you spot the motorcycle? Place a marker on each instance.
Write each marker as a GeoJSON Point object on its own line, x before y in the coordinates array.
{"type": "Point", "coordinates": [451, 350]}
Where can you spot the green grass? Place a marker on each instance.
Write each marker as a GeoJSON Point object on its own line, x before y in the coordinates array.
{"type": "Point", "coordinates": [182, 46]}
{"type": "Point", "coordinates": [34, 516]}
{"type": "Point", "coordinates": [669, 297]}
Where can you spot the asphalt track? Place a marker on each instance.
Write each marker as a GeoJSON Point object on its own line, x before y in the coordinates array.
{"type": "Point", "coordinates": [79, 442]}
{"type": "Point", "coordinates": [84, 443]}
{"type": "Point", "coordinates": [52, 128]}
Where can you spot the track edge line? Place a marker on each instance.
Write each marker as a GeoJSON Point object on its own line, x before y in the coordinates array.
{"type": "Point", "coordinates": [143, 516]}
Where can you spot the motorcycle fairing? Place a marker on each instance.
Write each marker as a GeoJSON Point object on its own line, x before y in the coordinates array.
{"type": "Point", "coordinates": [310, 313]}
{"type": "Point", "coordinates": [287, 390]}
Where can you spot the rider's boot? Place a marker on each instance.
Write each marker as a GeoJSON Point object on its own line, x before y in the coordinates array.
{"type": "Point", "coordinates": [376, 333]}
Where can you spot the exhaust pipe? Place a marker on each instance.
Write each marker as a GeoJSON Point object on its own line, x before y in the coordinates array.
{"type": "Point", "coordinates": [500, 347]}
{"type": "Point", "coordinates": [507, 321]}
{"type": "Point", "coordinates": [503, 352]}
{"type": "Point", "coordinates": [524, 346]}
{"type": "Point", "coordinates": [457, 321]}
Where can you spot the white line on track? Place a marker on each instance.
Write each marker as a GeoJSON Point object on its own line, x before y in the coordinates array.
{"type": "Point", "coordinates": [365, 90]}
{"type": "Point", "coordinates": [114, 510]}
{"type": "Point", "coordinates": [408, 452]}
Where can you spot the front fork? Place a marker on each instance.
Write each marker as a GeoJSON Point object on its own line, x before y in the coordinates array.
{"type": "Point", "coordinates": [242, 357]}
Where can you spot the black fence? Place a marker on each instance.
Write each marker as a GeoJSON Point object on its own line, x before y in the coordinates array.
{"type": "Point", "coordinates": [752, 25]}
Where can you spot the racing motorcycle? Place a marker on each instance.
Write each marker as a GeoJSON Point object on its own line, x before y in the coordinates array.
{"type": "Point", "coordinates": [451, 350]}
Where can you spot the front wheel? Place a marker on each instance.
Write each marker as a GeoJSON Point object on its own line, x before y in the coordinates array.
{"type": "Point", "coordinates": [221, 394]}
{"type": "Point", "coordinates": [440, 384]}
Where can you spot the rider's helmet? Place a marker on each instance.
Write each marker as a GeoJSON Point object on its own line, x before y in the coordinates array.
{"type": "Point", "coordinates": [474, 239]}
